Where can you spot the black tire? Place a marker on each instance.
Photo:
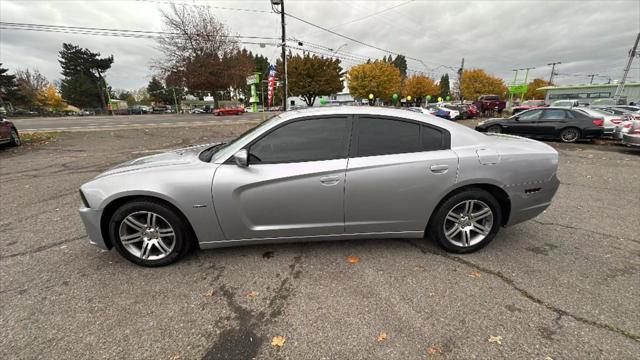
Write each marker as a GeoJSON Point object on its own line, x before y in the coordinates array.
{"type": "Point", "coordinates": [570, 135]}
{"type": "Point", "coordinates": [15, 138]}
{"type": "Point", "coordinates": [436, 225]}
{"type": "Point", "coordinates": [175, 220]}
{"type": "Point", "coordinates": [496, 129]}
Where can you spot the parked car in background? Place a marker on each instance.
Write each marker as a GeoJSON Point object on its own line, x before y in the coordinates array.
{"type": "Point", "coordinates": [487, 103]}
{"type": "Point", "coordinates": [85, 112]}
{"type": "Point", "coordinates": [627, 126]}
{"type": "Point", "coordinates": [527, 105]}
{"type": "Point", "coordinates": [139, 110]}
{"type": "Point", "coordinates": [610, 119]}
{"type": "Point", "coordinates": [632, 138]}
{"type": "Point", "coordinates": [632, 108]}
{"type": "Point", "coordinates": [23, 112]}
{"type": "Point", "coordinates": [237, 110]}
{"type": "Point", "coordinates": [472, 110]}
{"type": "Point", "coordinates": [568, 125]}
{"type": "Point", "coordinates": [8, 133]}
{"type": "Point", "coordinates": [197, 111]}
{"type": "Point", "coordinates": [334, 173]}
{"type": "Point", "coordinates": [439, 112]}
{"type": "Point", "coordinates": [566, 103]}
{"type": "Point", "coordinates": [456, 112]}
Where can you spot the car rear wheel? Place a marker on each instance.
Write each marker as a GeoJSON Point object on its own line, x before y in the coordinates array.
{"type": "Point", "coordinates": [495, 129]}
{"type": "Point", "coordinates": [15, 138]}
{"type": "Point", "coordinates": [148, 233]}
{"type": "Point", "coordinates": [466, 221]}
{"type": "Point", "coordinates": [569, 135]}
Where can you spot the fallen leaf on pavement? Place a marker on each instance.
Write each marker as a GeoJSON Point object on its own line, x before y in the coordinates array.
{"type": "Point", "coordinates": [475, 274]}
{"type": "Point", "coordinates": [208, 293]}
{"type": "Point", "coordinates": [353, 259]}
{"type": "Point", "coordinates": [252, 294]}
{"type": "Point", "coordinates": [434, 349]}
{"type": "Point", "coordinates": [495, 339]}
{"type": "Point", "coordinates": [548, 358]}
{"type": "Point", "coordinates": [382, 336]}
{"type": "Point", "coordinates": [278, 341]}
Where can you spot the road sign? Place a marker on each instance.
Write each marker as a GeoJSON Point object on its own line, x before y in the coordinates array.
{"type": "Point", "coordinates": [518, 89]}
{"type": "Point", "coordinates": [253, 79]}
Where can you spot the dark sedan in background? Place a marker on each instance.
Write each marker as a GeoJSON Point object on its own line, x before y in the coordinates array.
{"type": "Point", "coordinates": [564, 124]}
{"type": "Point", "coordinates": [8, 133]}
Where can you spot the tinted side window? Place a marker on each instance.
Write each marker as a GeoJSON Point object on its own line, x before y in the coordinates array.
{"type": "Point", "coordinates": [385, 136]}
{"type": "Point", "coordinates": [306, 140]}
{"type": "Point", "coordinates": [530, 115]}
{"type": "Point", "coordinates": [432, 139]}
{"type": "Point", "coordinates": [554, 114]}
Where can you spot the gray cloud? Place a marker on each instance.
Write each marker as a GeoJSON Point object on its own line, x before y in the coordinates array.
{"type": "Point", "coordinates": [587, 36]}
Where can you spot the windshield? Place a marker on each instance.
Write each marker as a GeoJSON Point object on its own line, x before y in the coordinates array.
{"type": "Point", "coordinates": [222, 151]}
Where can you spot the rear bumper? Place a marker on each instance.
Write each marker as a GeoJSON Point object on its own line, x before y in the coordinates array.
{"type": "Point", "coordinates": [91, 220]}
{"type": "Point", "coordinates": [592, 132]}
{"type": "Point", "coordinates": [526, 205]}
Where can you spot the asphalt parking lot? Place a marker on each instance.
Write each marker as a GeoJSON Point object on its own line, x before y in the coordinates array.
{"type": "Point", "coordinates": [565, 285]}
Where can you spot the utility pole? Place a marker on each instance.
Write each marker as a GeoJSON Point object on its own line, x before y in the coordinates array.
{"type": "Point", "coordinates": [553, 71]}
{"type": "Point", "coordinates": [515, 77]}
{"type": "Point", "coordinates": [526, 77]}
{"type": "Point", "coordinates": [284, 51]}
{"type": "Point", "coordinates": [632, 54]}
{"type": "Point", "coordinates": [175, 101]}
{"type": "Point", "coordinates": [460, 72]}
{"type": "Point", "coordinates": [592, 76]}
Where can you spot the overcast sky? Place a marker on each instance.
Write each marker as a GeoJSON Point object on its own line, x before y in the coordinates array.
{"type": "Point", "coordinates": [498, 36]}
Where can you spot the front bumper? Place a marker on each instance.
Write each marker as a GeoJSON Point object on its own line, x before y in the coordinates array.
{"type": "Point", "coordinates": [631, 140]}
{"type": "Point", "coordinates": [91, 220]}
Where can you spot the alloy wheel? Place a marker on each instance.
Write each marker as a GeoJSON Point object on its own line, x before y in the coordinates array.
{"type": "Point", "coordinates": [569, 135]}
{"type": "Point", "coordinates": [147, 235]}
{"type": "Point", "coordinates": [468, 223]}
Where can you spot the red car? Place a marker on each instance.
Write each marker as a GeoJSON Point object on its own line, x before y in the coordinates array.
{"type": "Point", "coordinates": [529, 104]}
{"type": "Point", "coordinates": [228, 111]}
{"type": "Point", "coordinates": [8, 133]}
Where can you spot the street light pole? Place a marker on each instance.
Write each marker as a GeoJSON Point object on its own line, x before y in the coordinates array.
{"type": "Point", "coordinates": [284, 54]}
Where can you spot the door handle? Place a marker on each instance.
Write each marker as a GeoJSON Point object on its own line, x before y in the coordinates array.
{"type": "Point", "coordinates": [439, 169]}
{"type": "Point", "coordinates": [330, 180]}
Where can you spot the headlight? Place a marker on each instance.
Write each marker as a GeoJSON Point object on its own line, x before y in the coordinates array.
{"type": "Point", "coordinates": [482, 122]}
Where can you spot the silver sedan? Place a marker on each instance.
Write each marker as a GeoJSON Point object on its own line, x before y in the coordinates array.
{"type": "Point", "coordinates": [322, 174]}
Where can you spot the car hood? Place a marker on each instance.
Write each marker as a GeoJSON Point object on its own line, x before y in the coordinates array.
{"type": "Point", "coordinates": [171, 158]}
{"type": "Point", "coordinates": [491, 121]}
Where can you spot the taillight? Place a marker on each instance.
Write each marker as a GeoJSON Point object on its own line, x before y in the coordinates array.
{"type": "Point", "coordinates": [598, 122]}
{"type": "Point", "coordinates": [616, 121]}
{"type": "Point", "coordinates": [627, 126]}
{"type": "Point", "coordinates": [636, 131]}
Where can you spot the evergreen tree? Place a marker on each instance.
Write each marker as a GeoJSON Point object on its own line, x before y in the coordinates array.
{"type": "Point", "coordinates": [83, 70]}
{"type": "Point", "coordinates": [444, 86]}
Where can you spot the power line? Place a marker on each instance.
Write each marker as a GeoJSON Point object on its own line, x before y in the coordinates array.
{"type": "Point", "coordinates": [54, 28]}
{"type": "Point", "coordinates": [372, 14]}
{"type": "Point", "coordinates": [204, 5]}
{"type": "Point", "coordinates": [366, 44]}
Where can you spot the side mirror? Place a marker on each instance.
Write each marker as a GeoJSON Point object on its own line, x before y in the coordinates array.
{"type": "Point", "coordinates": [241, 158]}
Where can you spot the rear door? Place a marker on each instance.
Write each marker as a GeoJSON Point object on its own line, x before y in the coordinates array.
{"type": "Point", "coordinates": [398, 170]}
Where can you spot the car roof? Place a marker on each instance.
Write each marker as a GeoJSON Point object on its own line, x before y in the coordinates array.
{"type": "Point", "coordinates": [463, 133]}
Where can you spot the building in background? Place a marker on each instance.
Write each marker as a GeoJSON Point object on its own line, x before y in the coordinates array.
{"type": "Point", "coordinates": [341, 98]}
{"type": "Point", "coordinates": [588, 93]}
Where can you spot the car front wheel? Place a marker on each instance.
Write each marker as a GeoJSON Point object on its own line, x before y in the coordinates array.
{"type": "Point", "coordinates": [466, 221]}
{"type": "Point", "coordinates": [494, 129]}
{"type": "Point", "coordinates": [148, 233]}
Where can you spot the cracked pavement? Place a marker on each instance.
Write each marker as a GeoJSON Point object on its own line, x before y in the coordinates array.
{"type": "Point", "coordinates": [565, 285]}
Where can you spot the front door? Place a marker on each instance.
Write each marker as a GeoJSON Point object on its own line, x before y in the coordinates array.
{"type": "Point", "coordinates": [397, 172]}
{"type": "Point", "coordinates": [524, 124]}
{"type": "Point", "coordinates": [293, 186]}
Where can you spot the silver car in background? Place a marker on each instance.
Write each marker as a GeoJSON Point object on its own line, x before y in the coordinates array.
{"type": "Point", "coordinates": [322, 174]}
